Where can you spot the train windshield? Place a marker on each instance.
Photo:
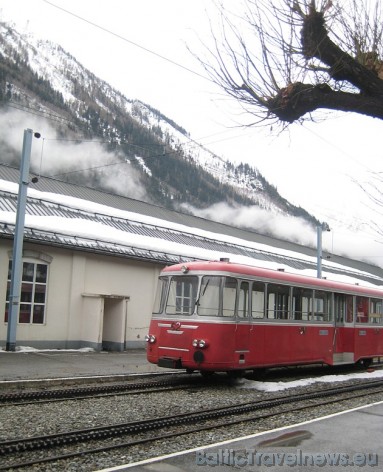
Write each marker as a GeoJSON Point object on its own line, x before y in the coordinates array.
{"type": "Point", "coordinates": [217, 296]}
{"type": "Point", "coordinates": [160, 295]}
{"type": "Point", "coordinates": [182, 295]}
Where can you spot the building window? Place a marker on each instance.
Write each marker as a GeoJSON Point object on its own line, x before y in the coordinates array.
{"type": "Point", "coordinates": [33, 293]}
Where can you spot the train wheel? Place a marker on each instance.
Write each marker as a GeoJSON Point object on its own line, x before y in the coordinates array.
{"type": "Point", "coordinates": [364, 363]}
{"type": "Point", "coordinates": [235, 374]}
{"type": "Point", "coordinates": [207, 373]}
{"type": "Point", "coordinates": [259, 374]}
{"type": "Point", "coordinates": [189, 371]}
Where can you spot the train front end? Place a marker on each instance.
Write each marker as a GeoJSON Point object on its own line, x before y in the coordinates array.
{"type": "Point", "coordinates": [179, 337]}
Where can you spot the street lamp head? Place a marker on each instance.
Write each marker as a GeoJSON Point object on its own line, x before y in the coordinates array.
{"type": "Point", "coordinates": [325, 227]}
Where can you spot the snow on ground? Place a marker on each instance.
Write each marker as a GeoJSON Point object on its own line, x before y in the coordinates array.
{"type": "Point", "coordinates": [278, 386]}
{"type": "Point", "coordinates": [28, 349]}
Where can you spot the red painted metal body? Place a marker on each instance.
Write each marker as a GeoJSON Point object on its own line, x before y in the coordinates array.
{"type": "Point", "coordinates": [232, 343]}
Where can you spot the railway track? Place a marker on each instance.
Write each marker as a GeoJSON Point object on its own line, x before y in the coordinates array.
{"type": "Point", "coordinates": [31, 451]}
{"type": "Point", "coordinates": [170, 382]}
{"type": "Point", "coordinates": [76, 393]}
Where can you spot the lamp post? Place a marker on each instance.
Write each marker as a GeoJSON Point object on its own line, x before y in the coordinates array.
{"type": "Point", "coordinates": [17, 256]}
{"type": "Point", "coordinates": [320, 229]}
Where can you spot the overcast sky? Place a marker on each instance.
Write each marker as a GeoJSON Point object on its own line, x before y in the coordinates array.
{"type": "Point", "coordinates": [312, 165]}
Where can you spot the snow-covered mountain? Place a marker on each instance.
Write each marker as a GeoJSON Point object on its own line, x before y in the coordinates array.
{"type": "Point", "coordinates": [86, 107]}
{"type": "Point", "coordinates": [94, 135]}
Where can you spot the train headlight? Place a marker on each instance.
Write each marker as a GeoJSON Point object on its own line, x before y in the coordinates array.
{"type": "Point", "coordinates": [150, 338]}
{"type": "Point", "coordinates": [201, 343]}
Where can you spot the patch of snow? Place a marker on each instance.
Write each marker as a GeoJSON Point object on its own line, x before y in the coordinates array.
{"type": "Point", "coordinates": [279, 386]}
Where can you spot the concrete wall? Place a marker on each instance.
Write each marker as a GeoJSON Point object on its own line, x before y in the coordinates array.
{"type": "Point", "coordinates": [92, 300]}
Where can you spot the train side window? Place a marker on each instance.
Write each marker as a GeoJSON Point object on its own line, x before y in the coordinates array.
{"type": "Point", "coordinates": [160, 296]}
{"type": "Point", "coordinates": [229, 294]}
{"type": "Point", "coordinates": [208, 302]}
{"type": "Point", "coordinates": [278, 297]}
{"type": "Point", "coordinates": [302, 303]}
{"type": "Point", "coordinates": [257, 300]}
{"type": "Point", "coordinates": [349, 308]}
{"type": "Point", "coordinates": [344, 308]}
{"type": "Point", "coordinates": [361, 309]}
{"type": "Point", "coordinates": [322, 305]}
{"type": "Point", "coordinates": [182, 295]}
{"type": "Point", "coordinates": [376, 311]}
{"type": "Point", "coordinates": [243, 300]}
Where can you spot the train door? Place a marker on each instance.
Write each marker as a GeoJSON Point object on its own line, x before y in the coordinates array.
{"type": "Point", "coordinates": [278, 336]}
{"type": "Point", "coordinates": [368, 328]}
{"type": "Point", "coordinates": [363, 344]}
{"type": "Point", "coordinates": [243, 325]}
{"type": "Point", "coordinates": [343, 342]}
{"type": "Point", "coordinates": [302, 334]}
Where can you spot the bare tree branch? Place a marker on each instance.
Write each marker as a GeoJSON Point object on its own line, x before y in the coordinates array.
{"type": "Point", "coordinates": [283, 60]}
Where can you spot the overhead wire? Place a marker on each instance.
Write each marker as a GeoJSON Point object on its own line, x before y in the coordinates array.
{"type": "Point", "coordinates": [36, 112]}
{"type": "Point", "coordinates": [191, 142]}
{"type": "Point", "coordinates": [59, 118]}
{"type": "Point", "coordinates": [150, 51]}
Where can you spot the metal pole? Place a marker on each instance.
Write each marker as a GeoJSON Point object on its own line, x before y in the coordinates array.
{"type": "Point", "coordinates": [319, 251]}
{"type": "Point", "coordinates": [17, 257]}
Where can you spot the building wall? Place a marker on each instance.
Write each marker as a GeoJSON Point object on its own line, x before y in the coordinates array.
{"type": "Point", "coordinates": [92, 300]}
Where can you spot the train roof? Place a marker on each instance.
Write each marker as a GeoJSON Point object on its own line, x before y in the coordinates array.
{"type": "Point", "coordinates": [228, 267]}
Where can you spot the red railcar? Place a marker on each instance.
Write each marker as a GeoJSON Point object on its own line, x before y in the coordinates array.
{"type": "Point", "coordinates": [221, 316]}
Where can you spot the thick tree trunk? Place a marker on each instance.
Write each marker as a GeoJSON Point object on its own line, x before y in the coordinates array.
{"type": "Point", "coordinates": [298, 99]}
{"type": "Point", "coordinates": [316, 43]}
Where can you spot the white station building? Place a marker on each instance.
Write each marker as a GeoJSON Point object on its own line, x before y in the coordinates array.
{"type": "Point", "coordinates": [91, 262]}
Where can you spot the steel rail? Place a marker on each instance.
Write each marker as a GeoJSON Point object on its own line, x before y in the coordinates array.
{"type": "Point", "coordinates": [84, 392]}
{"type": "Point", "coordinates": [224, 423]}
{"type": "Point", "coordinates": [104, 432]}
{"type": "Point", "coordinates": [75, 393]}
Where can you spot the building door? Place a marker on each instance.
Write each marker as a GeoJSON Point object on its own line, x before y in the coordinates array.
{"type": "Point", "coordinates": [114, 323]}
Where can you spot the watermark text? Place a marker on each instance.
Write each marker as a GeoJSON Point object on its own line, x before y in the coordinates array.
{"type": "Point", "coordinates": [247, 457]}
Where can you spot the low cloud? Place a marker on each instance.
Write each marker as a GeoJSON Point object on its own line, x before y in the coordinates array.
{"type": "Point", "coordinates": [67, 158]}
{"type": "Point", "coordinates": [258, 220]}
{"type": "Point", "coordinates": [340, 240]}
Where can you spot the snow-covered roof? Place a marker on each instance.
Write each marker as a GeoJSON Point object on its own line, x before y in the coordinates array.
{"type": "Point", "coordinates": [88, 229]}
{"type": "Point", "coordinates": [70, 216]}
